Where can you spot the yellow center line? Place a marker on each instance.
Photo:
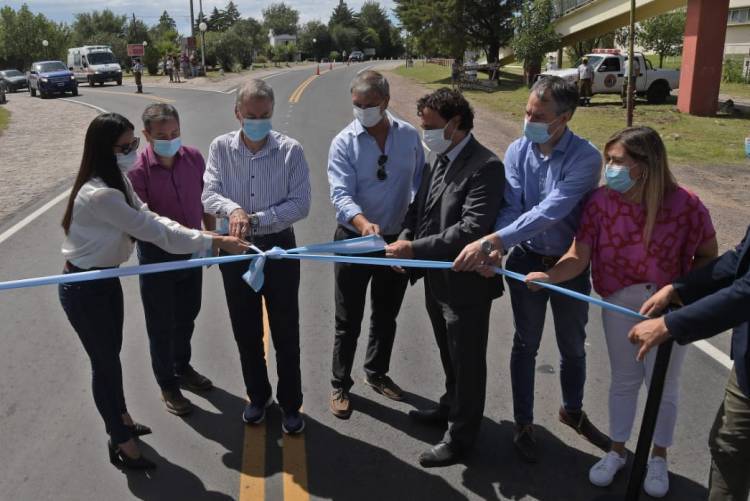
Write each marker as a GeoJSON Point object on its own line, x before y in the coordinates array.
{"type": "Point", "coordinates": [295, 468]}
{"type": "Point", "coordinates": [141, 96]}
{"type": "Point", "coordinates": [297, 94]}
{"type": "Point", "coordinates": [253, 473]}
{"type": "Point", "coordinates": [294, 456]}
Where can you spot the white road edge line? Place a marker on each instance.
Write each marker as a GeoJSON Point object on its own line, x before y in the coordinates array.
{"type": "Point", "coordinates": [97, 108]}
{"type": "Point", "coordinates": [30, 218]}
{"type": "Point", "coordinates": [714, 353]}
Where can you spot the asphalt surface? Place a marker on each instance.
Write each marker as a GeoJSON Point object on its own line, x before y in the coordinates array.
{"type": "Point", "coordinates": [53, 441]}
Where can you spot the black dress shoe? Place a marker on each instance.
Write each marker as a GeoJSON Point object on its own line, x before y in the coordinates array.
{"type": "Point", "coordinates": [441, 454]}
{"type": "Point", "coordinates": [524, 442]}
{"type": "Point", "coordinates": [122, 460]}
{"type": "Point", "coordinates": [138, 429]}
{"type": "Point", "coordinates": [436, 417]}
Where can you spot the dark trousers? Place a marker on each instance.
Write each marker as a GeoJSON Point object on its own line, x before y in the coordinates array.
{"type": "Point", "coordinates": [138, 81]}
{"type": "Point", "coordinates": [730, 446]}
{"type": "Point", "coordinates": [171, 302]}
{"type": "Point", "coordinates": [280, 293]}
{"type": "Point", "coordinates": [461, 336]}
{"type": "Point", "coordinates": [95, 310]}
{"type": "Point", "coordinates": [387, 289]}
{"type": "Point", "coordinates": [529, 310]}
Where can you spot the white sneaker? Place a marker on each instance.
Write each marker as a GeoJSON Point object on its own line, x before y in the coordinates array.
{"type": "Point", "coordinates": [656, 484]}
{"type": "Point", "coordinates": [603, 472]}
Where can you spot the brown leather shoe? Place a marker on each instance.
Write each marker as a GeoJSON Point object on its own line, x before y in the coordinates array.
{"type": "Point", "coordinates": [194, 381]}
{"type": "Point", "coordinates": [385, 386]}
{"type": "Point", "coordinates": [176, 403]}
{"type": "Point", "coordinates": [581, 424]}
{"type": "Point", "coordinates": [341, 406]}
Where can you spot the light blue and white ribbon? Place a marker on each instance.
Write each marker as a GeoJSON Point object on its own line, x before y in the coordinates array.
{"type": "Point", "coordinates": [255, 276]}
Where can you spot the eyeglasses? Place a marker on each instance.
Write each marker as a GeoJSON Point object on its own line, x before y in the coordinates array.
{"type": "Point", "coordinates": [127, 148]}
{"type": "Point", "coordinates": [382, 174]}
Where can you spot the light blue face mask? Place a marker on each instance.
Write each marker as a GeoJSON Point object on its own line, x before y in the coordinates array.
{"type": "Point", "coordinates": [167, 147]}
{"type": "Point", "coordinates": [256, 129]}
{"type": "Point", "coordinates": [618, 178]}
{"type": "Point", "coordinates": [537, 132]}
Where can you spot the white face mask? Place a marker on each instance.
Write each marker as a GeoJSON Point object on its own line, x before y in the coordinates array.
{"type": "Point", "coordinates": [435, 140]}
{"type": "Point", "coordinates": [368, 117]}
{"type": "Point", "coordinates": [126, 162]}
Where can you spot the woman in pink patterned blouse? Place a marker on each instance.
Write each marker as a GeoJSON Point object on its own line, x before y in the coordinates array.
{"type": "Point", "coordinates": [639, 232]}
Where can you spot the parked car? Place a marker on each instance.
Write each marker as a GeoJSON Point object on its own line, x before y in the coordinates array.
{"type": "Point", "coordinates": [51, 77]}
{"type": "Point", "coordinates": [356, 56]}
{"type": "Point", "coordinates": [609, 66]}
{"type": "Point", "coordinates": [13, 80]}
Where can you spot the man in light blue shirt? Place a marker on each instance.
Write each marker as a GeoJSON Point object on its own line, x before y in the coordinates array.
{"type": "Point", "coordinates": [374, 169]}
{"type": "Point", "coordinates": [549, 172]}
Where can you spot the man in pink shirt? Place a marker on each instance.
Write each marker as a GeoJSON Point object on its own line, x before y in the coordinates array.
{"type": "Point", "coordinates": [169, 178]}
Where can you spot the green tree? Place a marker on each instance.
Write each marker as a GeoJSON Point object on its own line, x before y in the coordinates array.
{"type": "Point", "coordinates": [489, 24]}
{"type": "Point", "coordinates": [166, 23]}
{"type": "Point", "coordinates": [663, 34]}
{"type": "Point", "coordinates": [534, 36]}
{"type": "Point", "coordinates": [231, 14]}
{"type": "Point", "coordinates": [89, 26]}
{"type": "Point", "coordinates": [344, 38]}
{"type": "Point", "coordinates": [281, 19]}
{"type": "Point", "coordinates": [435, 26]}
{"type": "Point", "coordinates": [342, 15]}
{"type": "Point", "coordinates": [314, 40]}
{"type": "Point", "coordinates": [583, 47]}
{"type": "Point", "coordinates": [21, 35]}
{"type": "Point", "coordinates": [376, 28]}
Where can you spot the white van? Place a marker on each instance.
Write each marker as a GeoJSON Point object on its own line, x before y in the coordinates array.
{"type": "Point", "coordinates": [94, 64]}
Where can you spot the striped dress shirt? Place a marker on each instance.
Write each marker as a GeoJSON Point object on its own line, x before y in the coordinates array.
{"type": "Point", "coordinates": [273, 183]}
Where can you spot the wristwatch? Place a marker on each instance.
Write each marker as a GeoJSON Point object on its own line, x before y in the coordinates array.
{"type": "Point", "coordinates": [486, 246]}
{"type": "Point", "coordinates": [254, 222]}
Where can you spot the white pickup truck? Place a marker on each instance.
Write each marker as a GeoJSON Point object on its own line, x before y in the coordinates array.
{"type": "Point", "coordinates": [609, 65]}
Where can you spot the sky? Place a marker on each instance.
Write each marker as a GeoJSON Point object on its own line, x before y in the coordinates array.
{"type": "Point", "coordinates": [63, 10]}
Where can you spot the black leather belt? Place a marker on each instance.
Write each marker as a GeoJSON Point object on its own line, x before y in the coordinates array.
{"type": "Point", "coordinates": [547, 261]}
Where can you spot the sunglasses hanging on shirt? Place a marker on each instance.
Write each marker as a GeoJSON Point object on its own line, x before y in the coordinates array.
{"type": "Point", "coordinates": [382, 174]}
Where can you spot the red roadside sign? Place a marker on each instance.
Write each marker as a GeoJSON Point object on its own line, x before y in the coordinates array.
{"type": "Point", "coordinates": [136, 50]}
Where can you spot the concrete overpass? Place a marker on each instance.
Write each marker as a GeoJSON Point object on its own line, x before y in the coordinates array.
{"type": "Point", "coordinates": [701, 62]}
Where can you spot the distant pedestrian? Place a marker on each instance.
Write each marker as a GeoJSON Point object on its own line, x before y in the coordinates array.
{"type": "Point", "coordinates": [185, 65]}
{"type": "Point", "coordinates": [194, 64]}
{"type": "Point", "coordinates": [176, 69]}
{"type": "Point", "coordinates": [169, 67]}
{"type": "Point", "coordinates": [138, 74]}
{"type": "Point", "coordinates": [585, 79]}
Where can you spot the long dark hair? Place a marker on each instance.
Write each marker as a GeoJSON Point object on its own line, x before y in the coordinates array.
{"type": "Point", "coordinates": [99, 158]}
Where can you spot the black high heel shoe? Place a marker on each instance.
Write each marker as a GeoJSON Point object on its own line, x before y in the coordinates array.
{"type": "Point", "coordinates": [122, 460]}
{"type": "Point", "coordinates": [138, 429]}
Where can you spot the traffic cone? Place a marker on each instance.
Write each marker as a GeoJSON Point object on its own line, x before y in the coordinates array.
{"type": "Point", "coordinates": [317, 71]}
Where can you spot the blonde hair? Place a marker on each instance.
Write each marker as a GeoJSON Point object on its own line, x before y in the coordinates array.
{"type": "Point", "coordinates": [644, 145]}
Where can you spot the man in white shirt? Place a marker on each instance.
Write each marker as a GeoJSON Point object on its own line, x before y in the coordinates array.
{"type": "Point", "coordinates": [633, 78]}
{"type": "Point", "coordinates": [585, 79]}
{"type": "Point", "coordinates": [259, 179]}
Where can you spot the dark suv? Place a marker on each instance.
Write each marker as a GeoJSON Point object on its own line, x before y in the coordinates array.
{"type": "Point", "coordinates": [51, 77]}
{"type": "Point", "coordinates": [13, 80]}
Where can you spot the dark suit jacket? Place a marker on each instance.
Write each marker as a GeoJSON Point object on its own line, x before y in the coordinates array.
{"type": "Point", "coordinates": [465, 211]}
{"type": "Point", "coordinates": [717, 298]}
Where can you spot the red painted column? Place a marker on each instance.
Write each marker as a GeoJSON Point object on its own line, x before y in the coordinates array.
{"type": "Point", "coordinates": [702, 56]}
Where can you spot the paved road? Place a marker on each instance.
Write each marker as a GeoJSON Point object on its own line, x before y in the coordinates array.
{"type": "Point", "coordinates": [53, 445]}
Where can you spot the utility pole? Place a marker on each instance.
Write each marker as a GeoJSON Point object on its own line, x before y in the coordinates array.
{"type": "Point", "coordinates": [631, 61]}
{"type": "Point", "coordinates": [192, 21]}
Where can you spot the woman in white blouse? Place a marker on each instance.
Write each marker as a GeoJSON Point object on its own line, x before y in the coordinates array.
{"type": "Point", "coordinates": [103, 217]}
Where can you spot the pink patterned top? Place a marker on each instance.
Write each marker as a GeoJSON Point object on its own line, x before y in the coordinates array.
{"type": "Point", "coordinates": [613, 228]}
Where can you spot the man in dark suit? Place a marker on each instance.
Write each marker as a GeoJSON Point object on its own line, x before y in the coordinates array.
{"type": "Point", "coordinates": [716, 298]}
{"type": "Point", "coordinates": [457, 202]}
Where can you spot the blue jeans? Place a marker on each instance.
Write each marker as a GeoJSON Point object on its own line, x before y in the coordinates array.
{"type": "Point", "coordinates": [529, 310]}
{"type": "Point", "coordinates": [171, 303]}
{"type": "Point", "coordinates": [95, 310]}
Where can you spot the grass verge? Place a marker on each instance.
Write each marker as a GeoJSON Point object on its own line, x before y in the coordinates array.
{"type": "Point", "coordinates": [690, 140]}
{"type": "Point", "coordinates": [4, 119]}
